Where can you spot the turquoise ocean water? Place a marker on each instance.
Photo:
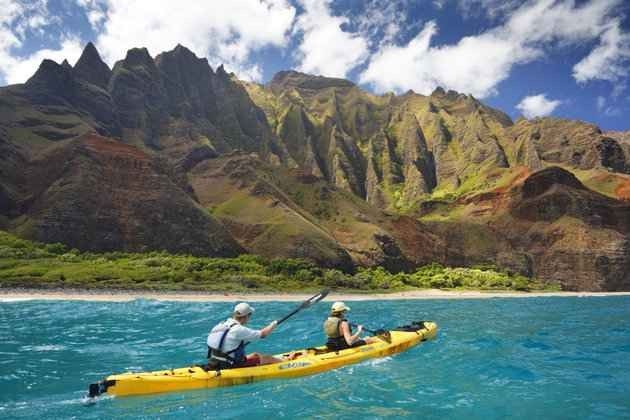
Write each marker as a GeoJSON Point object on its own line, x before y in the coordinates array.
{"type": "Point", "coordinates": [494, 358]}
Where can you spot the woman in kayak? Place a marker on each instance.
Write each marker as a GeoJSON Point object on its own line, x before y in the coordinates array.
{"type": "Point", "coordinates": [338, 331]}
{"type": "Point", "coordinates": [227, 341]}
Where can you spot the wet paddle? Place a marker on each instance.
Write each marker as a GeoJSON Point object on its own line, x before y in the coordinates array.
{"type": "Point", "coordinates": [306, 304]}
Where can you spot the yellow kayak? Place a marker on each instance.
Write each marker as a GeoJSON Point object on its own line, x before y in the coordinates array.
{"type": "Point", "coordinates": [308, 362]}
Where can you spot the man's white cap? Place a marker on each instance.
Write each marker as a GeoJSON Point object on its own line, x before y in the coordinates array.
{"type": "Point", "coordinates": [243, 309]}
{"type": "Point", "coordinates": [339, 307]}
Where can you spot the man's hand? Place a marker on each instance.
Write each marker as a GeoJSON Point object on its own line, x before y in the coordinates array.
{"type": "Point", "coordinates": [268, 329]}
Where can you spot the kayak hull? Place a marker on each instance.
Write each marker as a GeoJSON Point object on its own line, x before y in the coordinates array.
{"type": "Point", "coordinates": [308, 362]}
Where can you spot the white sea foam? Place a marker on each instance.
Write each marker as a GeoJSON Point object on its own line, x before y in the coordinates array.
{"type": "Point", "coordinates": [45, 347]}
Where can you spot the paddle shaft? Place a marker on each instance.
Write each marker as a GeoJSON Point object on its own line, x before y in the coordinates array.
{"type": "Point", "coordinates": [293, 312]}
{"type": "Point", "coordinates": [307, 303]}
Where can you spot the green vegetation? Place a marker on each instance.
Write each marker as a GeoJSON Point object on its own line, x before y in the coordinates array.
{"type": "Point", "coordinates": [31, 264]}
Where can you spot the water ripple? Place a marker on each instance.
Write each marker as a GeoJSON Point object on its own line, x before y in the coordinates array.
{"type": "Point", "coordinates": [517, 358]}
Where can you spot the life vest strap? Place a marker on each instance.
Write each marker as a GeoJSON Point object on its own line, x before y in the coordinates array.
{"type": "Point", "coordinates": [222, 356]}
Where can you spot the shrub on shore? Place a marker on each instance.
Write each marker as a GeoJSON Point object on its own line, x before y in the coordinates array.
{"type": "Point", "coordinates": [31, 264]}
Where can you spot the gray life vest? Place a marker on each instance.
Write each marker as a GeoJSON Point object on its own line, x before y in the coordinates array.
{"type": "Point", "coordinates": [332, 328]}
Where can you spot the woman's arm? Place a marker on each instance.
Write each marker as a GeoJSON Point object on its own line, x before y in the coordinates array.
{"type": "Point", "coordinates": [345, 329]}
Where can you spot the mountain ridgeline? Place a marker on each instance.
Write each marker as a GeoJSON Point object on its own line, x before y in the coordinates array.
{"type": "Point", "coordinates": [166, 153]}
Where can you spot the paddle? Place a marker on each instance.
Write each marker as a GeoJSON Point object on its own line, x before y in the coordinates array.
{"type": "Point", "coordinates": [307, 303]}
{"type": "Point", "coordinates": [380, 333]}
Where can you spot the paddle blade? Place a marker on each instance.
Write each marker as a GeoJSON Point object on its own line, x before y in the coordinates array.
{"type": "Point", "coordinates": [309, 302]}
{"type": "Point", "coordinates": [314, 299]}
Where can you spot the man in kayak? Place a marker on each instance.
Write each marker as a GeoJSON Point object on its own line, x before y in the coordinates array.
{"type": "Point", "coordinates": [227, 341]}
{"type": "Point", "coordinates": [338, 331]}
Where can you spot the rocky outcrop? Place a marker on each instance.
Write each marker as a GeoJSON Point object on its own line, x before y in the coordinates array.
{"type": "Point", "coordinates": [623, 138]}
{"type": "Point", "coordinates": [572, 143]}
{"type": "Point", "coordinates": [574, 236]}
{"type": "Point", "coordinates": [548, 225]}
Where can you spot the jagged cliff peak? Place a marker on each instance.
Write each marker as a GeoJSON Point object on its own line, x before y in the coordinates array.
{"type": "Point", "coordinates": [138, 57]}
{"type": "Point", "coordinates": [221, 71]}
{"type": "Point", "coordinates": [50, 75]}
{"type": "Point", "coordinates": [92, 68]}
{"type": "Point", "coordinates": [181, 54]}
{"type": "Point", "coordinates": [184, 60]}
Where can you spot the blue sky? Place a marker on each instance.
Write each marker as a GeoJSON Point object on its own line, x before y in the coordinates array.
{"type": "Point", "coordinates": [546, 57]}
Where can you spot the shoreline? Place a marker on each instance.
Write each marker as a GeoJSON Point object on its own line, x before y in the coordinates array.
{"type": "Point", "coordinates": [17, 295]}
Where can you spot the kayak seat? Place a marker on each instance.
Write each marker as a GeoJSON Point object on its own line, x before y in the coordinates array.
{"type": "Point", "coordinates": [209, 366]}
{"type": "Point", "coordinates": [358, 343]}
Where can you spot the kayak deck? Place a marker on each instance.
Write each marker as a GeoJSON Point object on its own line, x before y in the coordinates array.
{"type": "Point", "coordinates": [304, 362]}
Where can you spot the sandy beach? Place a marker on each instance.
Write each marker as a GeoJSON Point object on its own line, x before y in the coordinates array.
{"type": "Point", "coordinates": [13, 295]}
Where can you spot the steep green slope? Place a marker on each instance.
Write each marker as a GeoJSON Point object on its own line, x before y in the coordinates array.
{"type": "Point", "coordinates": [398, 151]}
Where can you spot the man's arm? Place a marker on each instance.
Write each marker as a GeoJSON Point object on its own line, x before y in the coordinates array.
{"type": "Point", "coordinates": [248, 334]}
{"type": "Point", "coordinates": [268, 329]}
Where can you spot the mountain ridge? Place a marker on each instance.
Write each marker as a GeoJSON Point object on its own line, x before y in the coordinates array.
{"type": "Point", "coordinates": [311, 167]}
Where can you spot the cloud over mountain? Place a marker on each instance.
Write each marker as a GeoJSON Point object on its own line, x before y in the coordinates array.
{"type": "Point", "coordinates": [478, 63]}
{"type": "Point", "coordinates": [482, 47]}
{"type": "Point", "coordinates": [537, 106]}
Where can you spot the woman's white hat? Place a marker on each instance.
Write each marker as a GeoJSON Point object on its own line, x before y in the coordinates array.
{"type": "Point", "coordinates": [339, 307]}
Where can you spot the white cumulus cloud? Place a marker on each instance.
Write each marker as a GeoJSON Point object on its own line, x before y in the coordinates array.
{"type": "Point", "coordinates": [226, 32]}
{"type": "Point", "coordinates": [537, 106]}
{"type": "Point", "coordinates": [19, 20]}
{"type": "Point", "coordinates": [609, 60]}
{"type": "Point", "coordinates": [477, 64]}
{"type": "Point", "coordinates": [325, 47]}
